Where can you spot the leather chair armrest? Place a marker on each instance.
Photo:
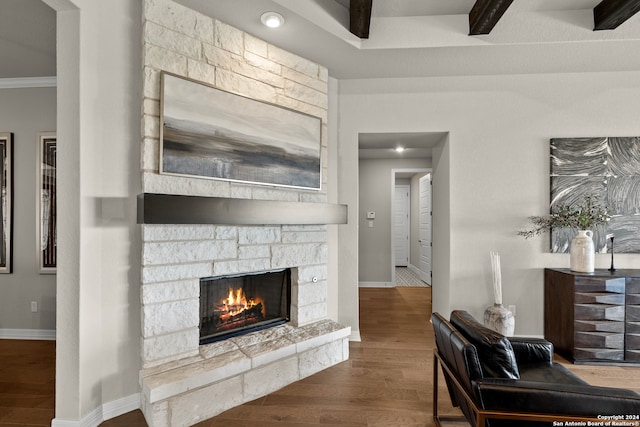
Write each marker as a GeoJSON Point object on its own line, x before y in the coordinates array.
{"type": "Point", "coordinates": [532, 350]}
{"type": "Point", "coordinates": [556, 399]}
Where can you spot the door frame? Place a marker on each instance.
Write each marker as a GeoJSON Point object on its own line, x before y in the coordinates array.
{"type": "Point", "coordinates": [392, 189]}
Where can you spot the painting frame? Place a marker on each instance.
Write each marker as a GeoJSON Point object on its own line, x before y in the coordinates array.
{"type": "Point", "coordinates": [6, 202]}
{"type": "Point", "coordinates": [210, 133]}
{"type": "Point", "coordinates": [46, 221]}
{"type": "Point", "coordinates": [607, 168]}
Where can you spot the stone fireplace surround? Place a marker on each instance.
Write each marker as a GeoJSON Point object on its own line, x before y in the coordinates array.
{"type": "Point", "coordinates": [182, 382]}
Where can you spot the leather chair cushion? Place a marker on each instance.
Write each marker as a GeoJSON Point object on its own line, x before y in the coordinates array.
{"type": "Point", "coordinates": [495, 352]}
{"type": "Point", "coordinates": [553, 373]}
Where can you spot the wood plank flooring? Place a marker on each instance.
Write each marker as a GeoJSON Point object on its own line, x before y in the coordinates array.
{"type": "Point", "coordinates": [27, 382]}
{"type": "Point", "coordinates": [386, 382]}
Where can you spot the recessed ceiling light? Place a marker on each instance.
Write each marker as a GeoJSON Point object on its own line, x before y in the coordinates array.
{"type": "Point", "coordinates": [399, 149]}
{"type": "Point", "coordinates": [272, 19]}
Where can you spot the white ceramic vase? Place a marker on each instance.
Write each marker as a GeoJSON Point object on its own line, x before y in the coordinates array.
{"type": "Point", "coordinates": [582, 252]}
{"type": "Point", "coordinates": [500, 319]}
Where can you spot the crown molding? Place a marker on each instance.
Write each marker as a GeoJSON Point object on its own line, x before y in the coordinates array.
{"type": "Point", "coordinates": [28, 82]}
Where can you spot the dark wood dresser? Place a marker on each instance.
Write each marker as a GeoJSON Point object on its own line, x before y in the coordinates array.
{"type": "Point", "coordinates": [593, 317]}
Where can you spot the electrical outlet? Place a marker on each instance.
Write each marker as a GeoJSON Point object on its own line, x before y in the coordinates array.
{"type": "Point", "coordinates": [34, 306]}
{"type": "Point", "coordinates": [512, 309]}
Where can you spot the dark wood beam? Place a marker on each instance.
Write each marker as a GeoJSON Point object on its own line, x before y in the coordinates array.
{"type": "Point", "coordinates": [485, 14]}
{"type": "Point", "coordinates": [360, 17]}
{"type": "Point", "coordinates": [610, 13]}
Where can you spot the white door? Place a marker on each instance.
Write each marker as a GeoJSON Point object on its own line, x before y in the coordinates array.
{"type": "Point", "coordinates": [425, 228]}
{"type": "Point", "coordinates": [401, 207]}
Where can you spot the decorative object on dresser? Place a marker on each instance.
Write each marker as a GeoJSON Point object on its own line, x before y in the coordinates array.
{"type": "Point", "coordinates": [611, 236]}
{"type": "Point", "coordinates": [583, 216]}
{"type": "Point", "coordinates": [497, 317]}
{"type": "Point", "coordinates": [583, 254]}
{"type": "Point", "coordinates": [593, 318]}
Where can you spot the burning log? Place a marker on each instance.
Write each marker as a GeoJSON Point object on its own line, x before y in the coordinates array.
{"type": "Point", "coordinates": [251, 314]}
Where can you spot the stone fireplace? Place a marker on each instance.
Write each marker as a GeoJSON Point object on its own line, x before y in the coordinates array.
{"type": "Point", "coordinates": [243, 303]}
{"type": "Point", "coordinates": [182, 381]}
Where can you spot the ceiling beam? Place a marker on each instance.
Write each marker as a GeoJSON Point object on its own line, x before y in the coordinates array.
{"type": "Point", "coordinates": [360, 17]}
{"type": "Point", "coordinates": [485, 14]}
{"type": "Point", "coordinates": [610, 13]}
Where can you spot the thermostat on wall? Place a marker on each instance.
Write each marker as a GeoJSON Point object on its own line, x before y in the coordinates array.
{"type": "Point", "coordinates": [371, 215]}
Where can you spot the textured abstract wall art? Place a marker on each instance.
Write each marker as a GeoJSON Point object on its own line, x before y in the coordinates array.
{"type": "Point", "coordinates": [210, 133]}
{"type": "Point", "coordinates": [609, 168]}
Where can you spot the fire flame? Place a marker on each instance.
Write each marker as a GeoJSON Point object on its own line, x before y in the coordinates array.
{"type": "Point", "coordinates": [237, 303]}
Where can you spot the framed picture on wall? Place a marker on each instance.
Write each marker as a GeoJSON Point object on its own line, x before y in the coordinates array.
{"type": "Point", "coordinates": [209, 133]}
{"type": "Point", "coordinates": [6, 201]}
{"type": "Point", "coordinates": [46, 184]}
{"type": "Point", "coordinates": [607, 168]}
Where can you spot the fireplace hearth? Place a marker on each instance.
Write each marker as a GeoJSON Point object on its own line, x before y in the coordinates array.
{"type": "Point", "coordinates": [238, 304]}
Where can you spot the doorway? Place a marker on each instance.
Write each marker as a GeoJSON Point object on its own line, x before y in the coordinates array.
{"type": "Point", "coordinates": [411, 241]}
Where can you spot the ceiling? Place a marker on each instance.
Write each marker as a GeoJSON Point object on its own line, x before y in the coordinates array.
{"type": "Point", "coordinates": [383, 145]}
{"type": "Point", "coordinates": [408, 38]}
{"type": "Point", "coordinates": [416, 38]}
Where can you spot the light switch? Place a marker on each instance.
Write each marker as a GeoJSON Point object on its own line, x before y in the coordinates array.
{"type": "Point", "coordinates": [370, 224]}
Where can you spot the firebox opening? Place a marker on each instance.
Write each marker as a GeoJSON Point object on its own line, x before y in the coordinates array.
{"type": "Point", "coordinates": [238, 304]}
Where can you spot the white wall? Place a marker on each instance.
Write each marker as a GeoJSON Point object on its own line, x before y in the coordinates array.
{"type": "Point", "coordinates": [333, 280]}
{"type": "Point", "coordinates": [498, 158]}
{"type": "Point", "coordinates": [376, 191]}
{"type": "Point", "coordinates": [98, 297]}
{"type": "Point", "coordinates": [26, 112]}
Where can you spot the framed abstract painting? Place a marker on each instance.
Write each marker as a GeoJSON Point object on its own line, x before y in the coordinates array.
{"type": "Point", "coordinates": [46, 202]}
{"type": "Point", "coordinates": [6, 202]}
{"type": "Point", "coordinates": [607, 168]}
{"type": "Point", "coordinates": [210, 133]}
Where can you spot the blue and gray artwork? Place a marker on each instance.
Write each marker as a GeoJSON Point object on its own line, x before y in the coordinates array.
{"type": "Point", "coordinates": [608, 168]}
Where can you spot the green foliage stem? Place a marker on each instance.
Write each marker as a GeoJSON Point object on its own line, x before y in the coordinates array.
{"type": "Point", "coordinates": [584, 215]}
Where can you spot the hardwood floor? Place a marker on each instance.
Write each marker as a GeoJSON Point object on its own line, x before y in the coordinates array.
{"type": "Point", "coordinates": [386, 382]}
{"type": "Point", "coordinates": [27, 382]}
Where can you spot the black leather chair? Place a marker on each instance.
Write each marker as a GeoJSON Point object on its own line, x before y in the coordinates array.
{"type": "Point", "coordinates": [500, 381]}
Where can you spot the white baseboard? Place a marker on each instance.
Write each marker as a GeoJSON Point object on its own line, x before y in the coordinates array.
{"type": "Point", "coordinates": [375, 285]}
{"type": "Point", "coordinates": [420, 273]}
{"type": "Point", "coordinates": [28, 334]}
{"type": "Point", "coordinates": [355, 336]}
{"type": "Point", "coordinates": [414, 269]}
{"type": "Point", "coordinates": [103, 413]}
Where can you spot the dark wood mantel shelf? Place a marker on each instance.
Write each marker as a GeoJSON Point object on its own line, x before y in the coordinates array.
{"type": "Point", "coordinates": [177, 209]}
